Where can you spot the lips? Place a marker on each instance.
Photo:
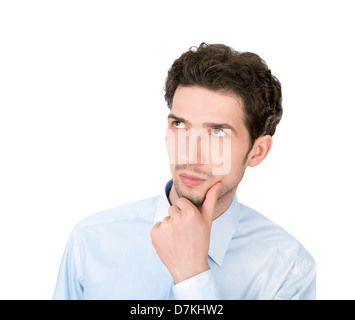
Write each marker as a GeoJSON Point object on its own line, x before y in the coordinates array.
{"type": "Point", "coordinates": [191, 180]}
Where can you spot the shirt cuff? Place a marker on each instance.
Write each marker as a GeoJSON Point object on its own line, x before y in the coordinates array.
{"type": "Point", "coordinates": [199, 287]}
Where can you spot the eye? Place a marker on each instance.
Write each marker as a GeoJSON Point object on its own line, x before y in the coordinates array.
{"type": "Point", "coordinates": [179, 125]}
{"type": "Point", "coordinates": [218, 132]}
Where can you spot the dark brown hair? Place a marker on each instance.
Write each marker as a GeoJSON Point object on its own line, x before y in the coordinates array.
{"type": "Point", "coordinates": [220, 68]}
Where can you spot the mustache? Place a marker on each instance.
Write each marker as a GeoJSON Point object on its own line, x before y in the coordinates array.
{"type": "Point", "coordinates": [178, 167]}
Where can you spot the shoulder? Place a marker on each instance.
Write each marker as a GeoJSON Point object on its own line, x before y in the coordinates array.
{"type": "Point", "coordinates": [269, 235]}
{"type": "Point", "coordinates": [142, 210]}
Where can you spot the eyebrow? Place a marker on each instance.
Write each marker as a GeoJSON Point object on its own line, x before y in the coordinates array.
{"type": "Point", "coordinates": [213, 125]}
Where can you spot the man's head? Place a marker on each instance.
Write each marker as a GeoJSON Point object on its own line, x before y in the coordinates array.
{"type": "Point", "coordinates": [231, 96]}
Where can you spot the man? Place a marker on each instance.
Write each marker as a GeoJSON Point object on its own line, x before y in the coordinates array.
{"type": "Point", "coordinates": [196, 241]}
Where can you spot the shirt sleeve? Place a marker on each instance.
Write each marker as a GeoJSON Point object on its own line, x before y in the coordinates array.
{"type": "Point", "coordinates": [300, 284]}
{"type": "Point", "coordinates": [68, 285]}
{"type": "Point", "coordinates": [199, 287]}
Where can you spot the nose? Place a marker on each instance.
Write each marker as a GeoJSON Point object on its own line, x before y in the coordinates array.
{"type": "Point", "coordinates": [190, 147]}
{"type": "Point", "coordinates": [197, 142]}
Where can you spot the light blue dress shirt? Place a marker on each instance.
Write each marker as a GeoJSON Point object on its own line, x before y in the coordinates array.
{"type": "Point", "coordinates": [109, 255]}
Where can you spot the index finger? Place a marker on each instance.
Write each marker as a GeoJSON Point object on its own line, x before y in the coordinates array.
{"type": "Point", "coordinates": [210, 202]}
{"type": "Point", "coordinates": [183, 203]}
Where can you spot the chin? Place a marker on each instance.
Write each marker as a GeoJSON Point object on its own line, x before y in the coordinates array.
{"type": "Point", "coordinates": [195, 194]}
{"type": "Point", "coordinates": [196, 199]}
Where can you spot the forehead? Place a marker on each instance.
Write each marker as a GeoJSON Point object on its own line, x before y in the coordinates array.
{"type": "Point", "coordinates": [200, 104]}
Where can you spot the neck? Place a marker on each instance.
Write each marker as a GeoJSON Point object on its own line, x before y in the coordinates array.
{"type": "Point", "coordinates": [222, 205]}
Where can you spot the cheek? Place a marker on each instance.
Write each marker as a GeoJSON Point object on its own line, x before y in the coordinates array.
{"type": "Point", "coordinates": [230, 160]}
{"type": "Point", "coordinates": [221, 155]}
{"type": "Point", "coordinates": [172, 146]}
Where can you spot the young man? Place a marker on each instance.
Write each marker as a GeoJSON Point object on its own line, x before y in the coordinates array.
{"type": "Point", "coordinates": [196, 241]}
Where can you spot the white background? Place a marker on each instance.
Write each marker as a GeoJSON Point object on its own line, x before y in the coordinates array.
{"type": "Point", "coordinates": [83, 119]}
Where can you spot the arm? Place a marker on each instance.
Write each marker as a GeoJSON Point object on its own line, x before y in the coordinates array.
{"type": "Point", "coordinates": [300, 283]}
{"type": "Point", "coordinates": [182, 243]}
{"type": "Point", "coordinates": [68, 285]}
{"type": "Point", "coordinates": [199, 287]}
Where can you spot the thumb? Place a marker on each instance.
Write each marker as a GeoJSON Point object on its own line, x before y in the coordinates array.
{"type": "Point", "coordinates": [210, 202]}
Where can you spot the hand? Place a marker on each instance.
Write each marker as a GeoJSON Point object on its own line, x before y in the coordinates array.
{"type": "Point", "coordinates": [182, 239]}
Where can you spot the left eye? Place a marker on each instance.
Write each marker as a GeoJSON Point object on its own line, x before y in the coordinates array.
{"type": "Point", "coordinates": [218, 132]}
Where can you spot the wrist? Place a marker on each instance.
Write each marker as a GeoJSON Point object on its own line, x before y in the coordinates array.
{"type": "Point", "coordinates": [184, 274]}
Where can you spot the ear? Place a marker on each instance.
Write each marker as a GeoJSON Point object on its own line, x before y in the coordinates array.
{"type": "Point", "coordinates": [260, 150]}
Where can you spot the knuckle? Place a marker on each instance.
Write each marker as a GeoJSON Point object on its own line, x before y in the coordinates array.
{"type": "Point", "coordinates": [190, 211]}
{"type": "Point", "coordinates": [174, 213]}
{"type": "Point", "coordinates": [153, 235]}
{"type": "Point", "coordinates": [171, 210]}
{"type": "Point", "coordinates": [153, 232]}
{"type": "Point", "coordinates": [155, 229]}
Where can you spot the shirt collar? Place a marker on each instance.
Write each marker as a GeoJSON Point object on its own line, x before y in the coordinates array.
{"type": "Point", "coordinates": [223, 228]}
